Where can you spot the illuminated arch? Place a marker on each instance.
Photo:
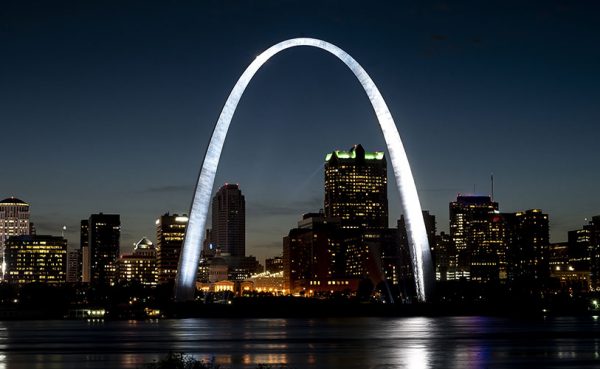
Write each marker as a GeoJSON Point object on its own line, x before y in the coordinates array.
{"type": "Point", "coordinates": [415, 226]}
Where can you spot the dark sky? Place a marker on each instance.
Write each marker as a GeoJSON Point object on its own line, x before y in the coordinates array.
{"type": "Point", "coordinates": [108, 106]}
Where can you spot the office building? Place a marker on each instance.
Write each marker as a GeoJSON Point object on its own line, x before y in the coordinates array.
{"type": "Point", "coordinates": [356, 188]}
{"type": "Point", "coordinates": [170, 231]}
{"type": "Point", "coordinates": [40, 259]}
{"type": "Point", "coordinates": [14, 221]}
{"type": "Point", "coordinates": [594, 228]}
{"type": "Point", "coordinates": [274, 265]}
{"type": "Point", "coordinates": [74, 266]}
{"type": "Point", "coordinates": [528, 252]}
{"type": "Point", "coordinates": [477, 231]}
{"type": "Point", "coordinates": [101, 248]}
{"type": "Point", "coordinates": [584, 251]}
{"type": "Point", "coordinates": [229, 221]}
{"type": "Point", "coordinates": [140, 265]}
{"type": "Point", "coordinates": [311, 255]}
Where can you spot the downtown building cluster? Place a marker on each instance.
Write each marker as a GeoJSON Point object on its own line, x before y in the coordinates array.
{"type": "Point", "coordinates": [345, 248]}
{"type": "Point", "coordinates": [100, 260]}
{"type": "Point", "coordinates": [348, 246]}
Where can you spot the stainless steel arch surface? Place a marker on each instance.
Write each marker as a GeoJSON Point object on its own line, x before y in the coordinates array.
{"type": "Point", "coordinates": [194, 237]}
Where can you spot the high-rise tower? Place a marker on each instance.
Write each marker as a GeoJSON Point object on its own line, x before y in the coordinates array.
{"type": "Point", "coordinates": [478, 232]}
{"type": "Point", "coordinates": [528, 246]}
{"type": "Point", "coordinates": [170, 231]}
{"type": "Point", "coordinates": [14, 221]}
{"type": "Point", "coordinates": [101, 251]}
{"type": "Point", "coordinates": [229, 220]}
{"type": "Point", "coordinates": [356, 188]}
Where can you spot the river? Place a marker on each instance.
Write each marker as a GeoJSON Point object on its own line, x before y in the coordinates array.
{"type": "Point", "coordinates": [349, 343]}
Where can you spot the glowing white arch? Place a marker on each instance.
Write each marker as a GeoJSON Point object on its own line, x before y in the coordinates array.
{"type": "Point", "coordinates": [194, 236]}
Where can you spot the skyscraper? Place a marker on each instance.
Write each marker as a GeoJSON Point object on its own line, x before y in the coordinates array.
{"type": "Point", "coordinates": [528, 242]}
{"type": "Point", "coordinates": [229, 220]}
{"type": "Point", "coordinates": [477, 231]}
{"type": "Point", "coordinates": [594, 228]}
{"type": "Point", "coordinates": [36, 259]}
{"type": "Point", "coordinates": [84, 251]}
{"type": "Point", "coordinates": [356, 188]}
{"type": "Point", "coordinates": [101, 250]}
{"type": "Point", "coordinates": [584, 250]}
{"type": "Point", "coordinates": [14, 221]}
{"type": "Point", "coordinates": [170, 231]}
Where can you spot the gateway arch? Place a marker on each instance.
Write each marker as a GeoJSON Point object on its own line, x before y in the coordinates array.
{"type": "Point", "coordinates": [411, 207]}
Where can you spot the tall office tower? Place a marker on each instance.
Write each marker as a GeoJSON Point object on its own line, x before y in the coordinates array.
{"type": "Point", "coordinates": [170, 231]}
{"type": "Point", "coordinates": [74, 266]}
{"type": "Point", "coordinates": [478, 233]}
{"type": "Point", "coordinates": [528, 241]}
{"type": "Point", "coordinates": [14, 221]}
{"type": "Point", "coordinates": [229, 220]}
{"type": "Point", "coordinates": [356, 188]}
{"type": "Point", "coordinates": [36, 259]}
{"type": "Point", "coordinates": [579, 242]}
{"type": "Point", "coordinates": [140, 265]}
{"type": "Point", "coordinates": [84, 251]}
{"type": "Point", "coordinates": [584, 251]}
{"type": "Point", "coordinates": [594, 227]}
{"type": "Point", "coordinates": [100, 251]}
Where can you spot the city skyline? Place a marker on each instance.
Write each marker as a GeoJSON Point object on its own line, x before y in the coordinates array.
{"type": "Point", "coordinates": [518, 101]}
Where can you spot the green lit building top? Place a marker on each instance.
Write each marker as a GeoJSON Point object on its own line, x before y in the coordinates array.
{"type": "Point", "coordinates": [356, 188]}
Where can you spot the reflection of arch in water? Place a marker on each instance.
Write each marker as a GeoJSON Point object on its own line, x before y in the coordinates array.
{"type": "Point", "coordinates": [417, 236]}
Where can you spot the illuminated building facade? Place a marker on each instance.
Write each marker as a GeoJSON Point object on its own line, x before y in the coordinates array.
{"type": "Point", "coordinates": [594, 228]}
{"type": "Point", "coordinates": [356, 188]}
{"type": "Point", "coordinates": [140, 265]}
{"type": "Point", "coordinates": [14, 221]}
{"type": "Point", "coordinates": [84, 250]}
{"type": "Point", "coordinates": [579, 248]}
{"type": "Point", "coordinates": [528, 252]}
{"type": "Point", "coordinates": [36, 259]}
{"type": "Point", "coordinates": [101, 250]}
{"type": "Point", "coordinates": [170, 231]}
{"type": "Point", "coordinates": [584, 250]}
{"type": "Point", "coordinates": [274, 265]}
{"type": "Point", "coordinates": [74, 266]}
{"type": "Point", "coordinates": [445, 258]}
{"type": "Point", "coordinates": [478, 233]}
{"type": "Point", "coordinates": [311, 254]}
{"type": "Point", "coordinates": [229, 220]}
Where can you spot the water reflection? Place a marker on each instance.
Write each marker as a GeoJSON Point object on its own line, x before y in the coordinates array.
{"type": "Point", "coordinates": [416, 357]}
{"type": "Point", "coordinates": [357, 343]}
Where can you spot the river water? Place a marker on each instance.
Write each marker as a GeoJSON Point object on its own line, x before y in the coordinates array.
{"type": "Point", "coordinates": [353, 343]}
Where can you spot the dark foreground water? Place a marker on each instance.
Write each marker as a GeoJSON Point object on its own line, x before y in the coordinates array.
{"type": "Point", "coordinates": [416, 343]}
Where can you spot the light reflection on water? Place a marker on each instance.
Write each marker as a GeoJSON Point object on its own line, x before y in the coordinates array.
{"type": "Point", "coordinates": [350, 343]}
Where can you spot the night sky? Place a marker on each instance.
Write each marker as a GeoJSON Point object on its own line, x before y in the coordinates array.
{"type": "Point", "coordinates": [108, 106]}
